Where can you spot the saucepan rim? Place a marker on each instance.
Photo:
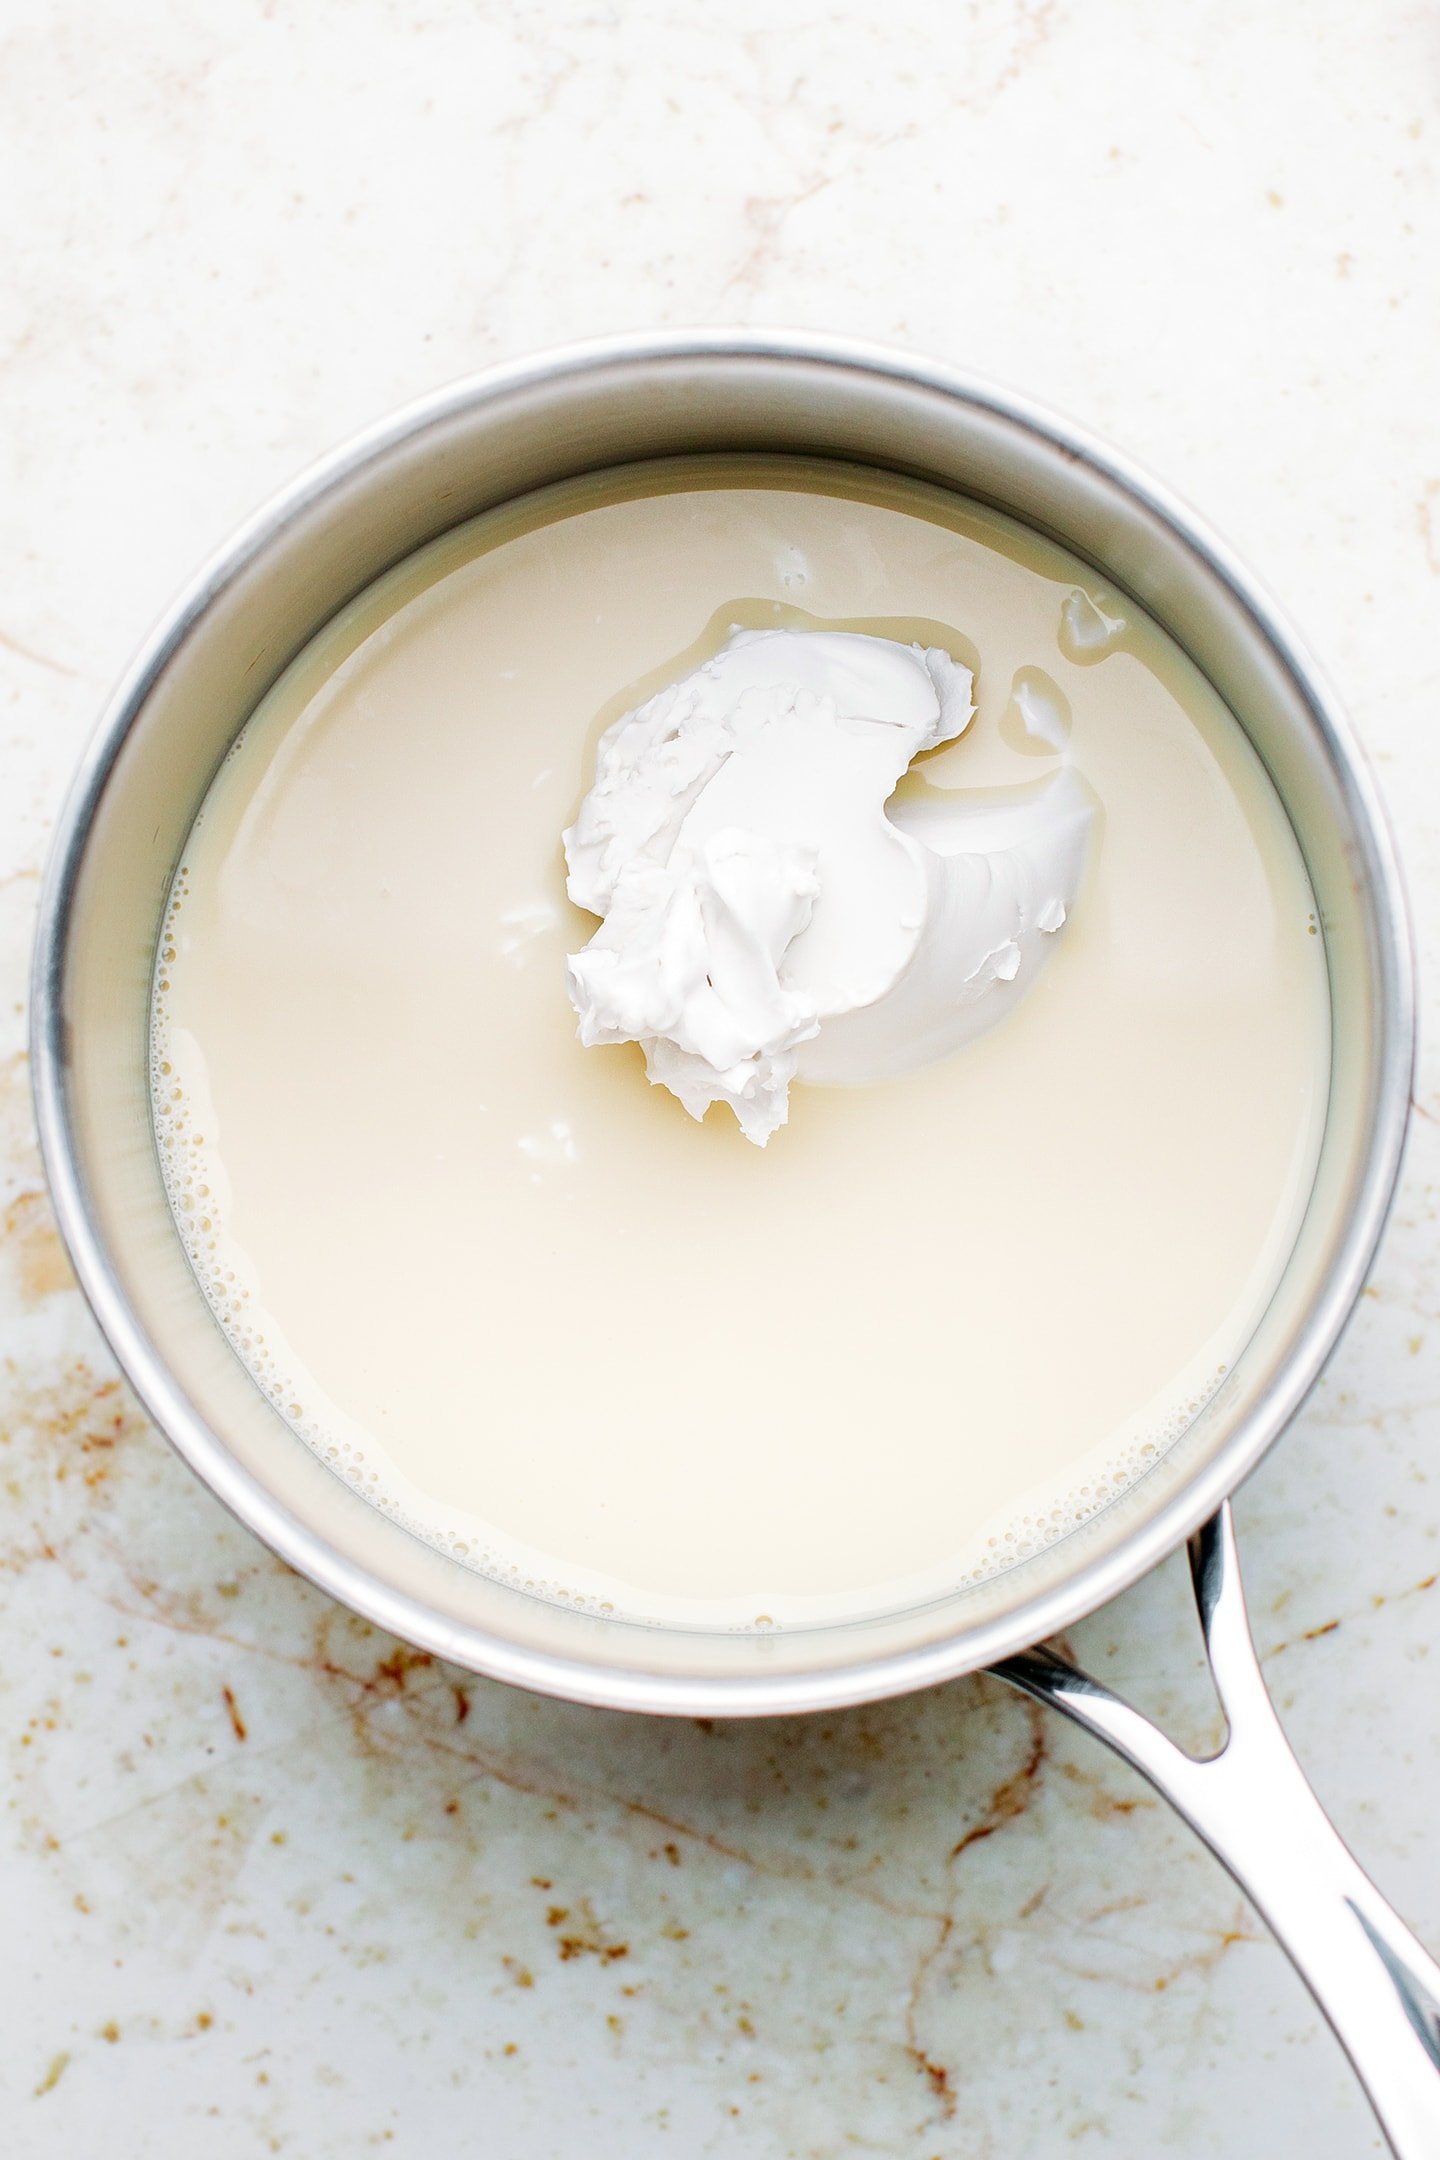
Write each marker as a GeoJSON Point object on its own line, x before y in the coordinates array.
{"type": "Point", "coordinates": [1094, 1580]}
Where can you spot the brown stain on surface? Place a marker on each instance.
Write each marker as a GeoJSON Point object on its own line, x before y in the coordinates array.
{"type": "Point", "coordinates": [1034, 23]}
{"type": "Point", "coordinates": [731, 1799]}
{"type": "Point", "coordinates": [1014, 1796]}
{"type": "Point", "coordinates": [28, 1231]}
{"type": "Point", "coordinates": [74, 1431]}
{"type": "Point", "coordinates": [394, 1671]}
{"type": "Point", "coordinates": [1377, 1603]}
{"type": "Point", "coordinates": [1425, 523]}
{"type": "Point", "coordinates": [584, 1936]}
{"type": "Point", "coordinates": [1104, 1805]}
{"type": "Point", "coordinates": [936, 2074]}
{"type": "Point", "coordinates": [37, 659]}
{"type": "Point", "coordinates": [746, 1803]}
{"type": "Point", "coordinates": [59, 2064]}
{"type": "Point", "coordinates": [1009, 1800]}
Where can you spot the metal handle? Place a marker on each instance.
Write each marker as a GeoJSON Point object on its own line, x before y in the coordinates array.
{"type": "Point", "coordinates": [1254, 1809]}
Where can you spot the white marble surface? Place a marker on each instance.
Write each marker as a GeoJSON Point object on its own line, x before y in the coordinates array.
{"type": "Point", "coordinates": [269, 1884]}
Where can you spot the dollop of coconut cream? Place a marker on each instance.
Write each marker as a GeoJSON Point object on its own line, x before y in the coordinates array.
{"type": "Point", "coordinates": [769, 914]}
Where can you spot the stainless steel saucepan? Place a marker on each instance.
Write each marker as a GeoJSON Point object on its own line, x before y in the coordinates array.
{"type": "Point", "coordinates": [228, 638]}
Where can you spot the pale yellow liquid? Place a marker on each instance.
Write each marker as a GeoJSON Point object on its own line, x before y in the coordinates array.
{"type": "Point", "coordinates": [527, 1305]}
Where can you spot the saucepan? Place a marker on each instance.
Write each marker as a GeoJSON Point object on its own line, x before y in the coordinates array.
{"type": "Point", "coordinates": [249, 612]}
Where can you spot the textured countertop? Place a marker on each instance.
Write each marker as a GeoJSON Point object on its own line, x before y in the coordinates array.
{"type": "Point", "coordinates": [273, 1883]}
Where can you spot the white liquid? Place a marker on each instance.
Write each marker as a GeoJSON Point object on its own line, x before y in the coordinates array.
{"type": "Point", "coordinates": [515, 1294]}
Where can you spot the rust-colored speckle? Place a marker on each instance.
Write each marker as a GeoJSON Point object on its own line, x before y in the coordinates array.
{"type": "Point", "coordinates": [56, 2069]}
{"type": "Point", "coordinates": [394, 1671]}
{"type": "Point", "coordinates": [237, 1723]}
{"type": "Point", "coordinates": [584, 1937]}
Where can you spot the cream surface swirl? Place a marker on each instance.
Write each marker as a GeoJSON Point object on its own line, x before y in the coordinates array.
{"type": "Point", "coordinates": [769, 912]}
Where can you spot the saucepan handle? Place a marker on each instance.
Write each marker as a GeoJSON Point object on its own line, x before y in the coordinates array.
{"type": "Point", "coordinates": [1253, 1807]}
